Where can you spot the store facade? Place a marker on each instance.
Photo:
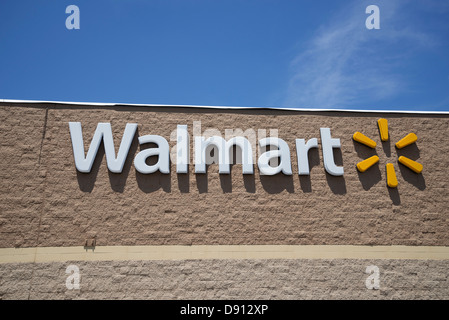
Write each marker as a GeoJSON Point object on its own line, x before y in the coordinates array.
{"type": "Point", "coordinates": [184, 202]}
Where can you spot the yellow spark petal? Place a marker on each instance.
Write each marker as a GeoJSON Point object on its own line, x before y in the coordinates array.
{"type": "Point", "coordinates": [364, 165]}
{"type": "Point", "coordinates": [360, 137]}
{"type": "Point", "coordinates": [408, 139]}
{"type": "Point", "coordinates": [409, 163]}
{"type": "Point", "coordinates": [383, 129]}
{"type": "Point", "coordinates": [392, 181]}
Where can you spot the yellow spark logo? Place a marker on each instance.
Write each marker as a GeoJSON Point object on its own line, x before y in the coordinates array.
{"type": "Point", "coordinates": [364, 165]}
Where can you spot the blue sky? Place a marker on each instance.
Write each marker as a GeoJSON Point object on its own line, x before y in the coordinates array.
{"type": "Point", "coordinates": [311, 54]}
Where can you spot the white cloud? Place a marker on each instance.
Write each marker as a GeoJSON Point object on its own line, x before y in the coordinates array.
{"type": "Point", "coordinates": [343, 64]}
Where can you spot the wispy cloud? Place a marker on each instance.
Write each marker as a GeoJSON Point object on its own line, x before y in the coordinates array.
{"type": "Point", "coordinates": [345, 65]}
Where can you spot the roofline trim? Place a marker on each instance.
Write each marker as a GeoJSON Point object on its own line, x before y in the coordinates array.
{"type": "Point", "coordinates": [106, 104]}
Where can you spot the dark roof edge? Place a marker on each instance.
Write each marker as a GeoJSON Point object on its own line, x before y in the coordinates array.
{"type": "Point", "coordinates": [104, 104]}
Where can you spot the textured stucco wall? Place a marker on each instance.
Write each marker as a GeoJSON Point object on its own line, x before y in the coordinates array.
{"type": "Point", "coordinates": [227, 279]}
{"type": "Point", "coordinates": [46, 202]}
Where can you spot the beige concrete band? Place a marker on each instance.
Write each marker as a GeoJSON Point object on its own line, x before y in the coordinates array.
{"type": "Point", "coordinates": [123, 253]}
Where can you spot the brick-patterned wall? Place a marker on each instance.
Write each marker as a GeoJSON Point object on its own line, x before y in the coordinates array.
{"type": "Point", "coordinates": [227, 279]}
{"type": "Point", "coordinates": [46, 202]}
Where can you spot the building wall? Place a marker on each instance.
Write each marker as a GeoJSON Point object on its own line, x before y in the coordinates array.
{"type": "Point", "coordinates": [227, 279]}
{"type": "Point", "coordinates": [45, 202]}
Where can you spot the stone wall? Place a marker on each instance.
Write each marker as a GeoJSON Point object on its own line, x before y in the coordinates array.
{"type": "Point", "coordinates": [227, 279]}
{"type": "Point", "coordinates": [46, 202]}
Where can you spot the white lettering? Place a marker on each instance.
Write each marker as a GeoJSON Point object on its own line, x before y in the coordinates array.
{"type": "Point", "coordinates": [103, 132]}
{"type": "Point", "coordinates": [302, 152]}
{"type": "Point", "coordinates": [270, 162]}
{"type": "Point", "coordinates": [283, 153]}
{"type": "Point", "coordinates": [182, 149]}
{"type": "Point", "coordinates": [224, 153]}
{"type": "Point", "coordinates": [197, 310]}
{"type": "Point", "coordinates": [328, 152]}
{"type": "Point", "coordinates": [162, 151]}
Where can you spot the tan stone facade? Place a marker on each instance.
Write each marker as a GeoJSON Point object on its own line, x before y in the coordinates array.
{"type": "Point", "coordinates": [45, 202]}
{"type": "Point", "coordinates": [227, 279]}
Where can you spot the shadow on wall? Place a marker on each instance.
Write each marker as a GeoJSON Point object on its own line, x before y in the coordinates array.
{"type": "Point", "coordinates": [152, 182]}
{"type": "Point", "coordinates": [86, 181]}
{"type": "Point", "coordinates": [271, 184]}
{"type": "Point", "coordinates": [394, 194]}
{"type": "Point", "coordinates": [149, 183]}
{"type": "Point", "coordinates": [118, 180]}
{"type": "Point", "coordinates": [372, 176]}
{"type": "Point", "coordinates": [277, 183]}
{"type": "Point", "coordinates": [183, 182]}
{"type": "Point", "coordinates": [201, 182]}
{"type": "Point", "coordinates": [314, 160]}
{"type": "Point", "coordinates": [146, 183]}
{"type": "Point", "coordinates": [337, 184]}
{"type": "Point", "coordinates": [386, 147]}
{"type": "Point", "coordinates": [248, 181]}
{"type": "Point", "coordinates": [415, 179]}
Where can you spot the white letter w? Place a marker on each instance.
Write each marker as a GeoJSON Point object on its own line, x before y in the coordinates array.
{"type": "Point", "coordinates": [115, 164]}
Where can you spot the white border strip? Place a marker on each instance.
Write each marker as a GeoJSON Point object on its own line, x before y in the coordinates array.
{"type": "Point", "coordinates": [203, 252]}
{"type": "Point", "coordinates": [104, 104]}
